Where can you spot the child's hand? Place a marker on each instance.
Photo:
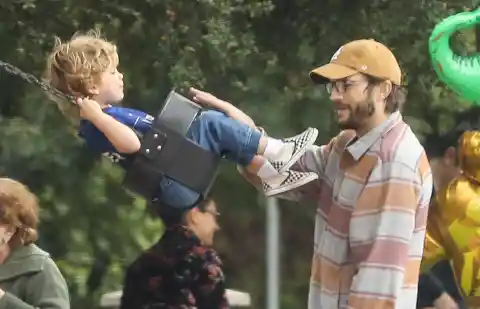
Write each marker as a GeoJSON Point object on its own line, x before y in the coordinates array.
{"type": "Point", "coordinates": [89, 109]}
{"type": "Point", "coordinates": [207, 99]}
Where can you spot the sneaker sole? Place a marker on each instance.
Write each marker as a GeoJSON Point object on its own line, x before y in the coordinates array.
{"type": "Point", "coordinates": [295, 185]}
{"type": "Point", "coordinates": [300, 153]}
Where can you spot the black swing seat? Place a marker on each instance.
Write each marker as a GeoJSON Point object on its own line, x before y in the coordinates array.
{"type": "Point", "coordinates": [167, 152]}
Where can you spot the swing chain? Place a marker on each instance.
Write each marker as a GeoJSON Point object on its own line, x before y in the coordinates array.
{"type": "Point", "coordinates": [34, 81]}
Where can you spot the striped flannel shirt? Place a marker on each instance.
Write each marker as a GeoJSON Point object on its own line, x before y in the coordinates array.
{"type": "Point", "coordinates": [373, 195]}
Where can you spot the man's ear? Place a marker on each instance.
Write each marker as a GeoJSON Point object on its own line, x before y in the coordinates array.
{"type": "Point", "coordinates": [385, 89]}
{"type": "Point", "coordinates": [450, 156]}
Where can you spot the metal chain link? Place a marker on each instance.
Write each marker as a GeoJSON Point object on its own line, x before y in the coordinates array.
{"type": "Point", "coordinates": [31, 79]}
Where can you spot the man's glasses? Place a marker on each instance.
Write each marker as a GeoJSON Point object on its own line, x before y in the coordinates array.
{"type": "Point", "coordinates": [341, 86]}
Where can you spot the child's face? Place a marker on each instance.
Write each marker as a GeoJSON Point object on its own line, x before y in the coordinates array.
{"type": "Point", "coordinates": [110, 88]}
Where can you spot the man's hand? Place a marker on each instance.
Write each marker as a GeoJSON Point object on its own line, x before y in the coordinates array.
{"type": "Point", "coordinates": [89, 109]}
{"type": "Point", "coordinates": [445, 301]}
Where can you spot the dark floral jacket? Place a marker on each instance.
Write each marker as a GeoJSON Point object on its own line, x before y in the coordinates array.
{"type": "Point", "coordinates": [176, 273]}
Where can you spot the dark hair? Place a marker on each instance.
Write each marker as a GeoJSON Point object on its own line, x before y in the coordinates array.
{"type": "Point", "coordinates": [172, 216]}
{"type": "Point", "coordinates": [396, 98]}
{"type": "Point", "coordinates": [436, 144]}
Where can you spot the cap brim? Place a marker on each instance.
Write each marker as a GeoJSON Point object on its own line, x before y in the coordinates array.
{"type": "Point", "coordinates": [330, 71]}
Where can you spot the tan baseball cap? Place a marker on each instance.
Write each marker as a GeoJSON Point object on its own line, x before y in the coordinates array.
{"type": "Point", "coordinates": [361, 56]}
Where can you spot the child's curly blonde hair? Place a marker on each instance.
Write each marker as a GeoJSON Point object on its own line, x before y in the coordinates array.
{"type": "Point", "coordinates": [75, 66]}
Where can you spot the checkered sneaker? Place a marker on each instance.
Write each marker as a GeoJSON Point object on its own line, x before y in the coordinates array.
{"type": "Point", "coordinates": [294, 180]}
{"type": "Point", "coordinates": [300, 144]}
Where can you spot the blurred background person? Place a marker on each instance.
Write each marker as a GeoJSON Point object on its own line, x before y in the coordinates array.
{"type": "Point", "coordinates": [29, 278]}
{"type": "Point", "coordinates": [181, 270]}
{"type": "Point", "coordinates": [439, 286]}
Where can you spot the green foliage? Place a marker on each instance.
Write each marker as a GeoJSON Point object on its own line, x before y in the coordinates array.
{"type": "Point", "coordinates": [257, 54]}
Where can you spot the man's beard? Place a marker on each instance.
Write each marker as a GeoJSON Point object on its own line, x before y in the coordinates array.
{"type": "Point", "coordinates": [358, 115]}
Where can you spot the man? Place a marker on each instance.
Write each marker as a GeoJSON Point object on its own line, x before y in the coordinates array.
{"type": "Point", "coordinates": [181, 270]}
{"type": "Point", "coordinates": [438, 287]}
{"type": "Point", "coordinates": [373, 190]}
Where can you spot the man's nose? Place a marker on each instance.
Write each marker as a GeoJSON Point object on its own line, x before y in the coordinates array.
{"type": "Point", "coordinates": [335, 96]}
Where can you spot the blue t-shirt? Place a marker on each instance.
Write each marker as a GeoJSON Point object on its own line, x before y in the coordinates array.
{"type": "Point", "coordinates": [97, 142]}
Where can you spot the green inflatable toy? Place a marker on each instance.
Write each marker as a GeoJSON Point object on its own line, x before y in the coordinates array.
{"type": "Point", "coordinates": [461, 74]}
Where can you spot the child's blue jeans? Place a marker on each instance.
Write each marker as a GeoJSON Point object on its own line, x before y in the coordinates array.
{"type": "Point", "coordinates": [220, 134]}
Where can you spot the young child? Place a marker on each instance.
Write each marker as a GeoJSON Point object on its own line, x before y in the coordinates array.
{"type": "Point", "coordinates": [87, 67]}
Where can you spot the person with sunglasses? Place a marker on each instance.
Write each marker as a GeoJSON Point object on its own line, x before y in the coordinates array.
{"type": "Point", "coordinates": [373, 189]}
{"type": "Point", "coordinates": [181, 270]}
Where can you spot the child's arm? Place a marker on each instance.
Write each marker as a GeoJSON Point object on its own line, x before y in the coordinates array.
{"type": "Point", "coordinates": [124, 139]}
{"type": "Point", "coordinates": [205, 98]}
{"type": "Point", "coordinates": [235, 113]}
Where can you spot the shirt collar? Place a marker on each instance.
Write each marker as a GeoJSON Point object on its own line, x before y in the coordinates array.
{"type": "Point", "coordinates": [361, 145]}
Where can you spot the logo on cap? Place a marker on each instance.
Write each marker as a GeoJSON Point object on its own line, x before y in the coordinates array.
{"type": "Point", "coordinates": [335, 56]}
